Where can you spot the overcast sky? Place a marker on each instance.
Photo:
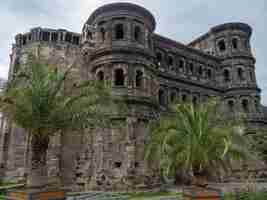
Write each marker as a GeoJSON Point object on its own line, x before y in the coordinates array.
{"type": "Point", "coordinates": [182, 20]}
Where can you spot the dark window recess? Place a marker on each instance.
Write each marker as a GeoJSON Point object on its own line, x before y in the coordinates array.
{"type": "Point", "coordinates": [103, 34]}
{"type": "Point", "coordinates": [68, 37]}
{"type": "Point", "coordinates": [117, 164]}
{"type": "Point", "coordinates": [209, 74]}
{"type": "Point", "coordinates": [136, 164]}
{"type": "Point", "coordinates": [119, 77]}
{"type": "Point", "coordinates": [137, 34]}
{"type": "Point", "coordinates": [54, 37]}
{"type": "Point", "coordinates": [173, 97]}
{"type": "Point", "coordinates": [222, 46]}
{"type": "Point", "coordinates": [100, 76]}
{"type": "Point", "coordinates": [256, 105]}
{"type": "Point", "coordinates": [194, 101]}
{"type": "Point", "coordinates": [161, 97]}
{"type": "Point", "coordinates": [181, 64]}
{"type": "Point", "coordinates": [170, 61]}
{"type": "Point", "coordinates": [24, 40]}
{"type": "Point", "coordinates": [226, 75]}
{"type": "Point", "coordinates": [159, 57]}
{"type": "Point", "coordinates": [29, 37]}
{"type": "Point", "coordinates": [139, 78]}
{"type": "Point", "coordinates": [240, 72]}
{"type": "Point", "coordinates": [231, 105]}
{"type": "Point", "coordinates": [245, 105]}
{"type": "Point", "coordinates": [251, 75]}
{"type": "Point", "coordinates": [119, 32]}
{"type": "Point", "coordinates": [235, 43]}
{"type": "Point", "coordinates": [200, 70]}
{"type": "Point", "coordinates": [61, 36]}
{"type": "Point", "coordinates": [76, 40]}
{"type": "Point", "coordinates": [184, 98]}
{"type": "Point", "coordinates": [191, 68]}
{"type": "Point", "coordinates": [46, 36]}
{"type": "Point", "coordinates": [89, 35]}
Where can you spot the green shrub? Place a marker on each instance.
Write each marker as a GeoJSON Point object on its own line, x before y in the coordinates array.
{"type": "Point", "coordinates": [246, 196]}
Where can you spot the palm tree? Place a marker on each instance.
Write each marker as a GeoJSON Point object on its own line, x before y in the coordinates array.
{"type": "Point", "coordinates": [196, 140]}
{"type": "Point", "coordinates": [45, 102]}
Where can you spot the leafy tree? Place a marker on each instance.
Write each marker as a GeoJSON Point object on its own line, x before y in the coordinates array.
{"type": "Point", "coordinates": [45, 102]}
{"type": "Point", "coordinates": [196, 140]}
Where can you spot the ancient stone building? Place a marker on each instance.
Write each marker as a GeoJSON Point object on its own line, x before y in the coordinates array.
{"type": "Point", "coordinates": [118, 44]}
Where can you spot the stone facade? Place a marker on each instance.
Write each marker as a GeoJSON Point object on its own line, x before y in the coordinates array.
{"type": "Point", "coordinates": [118, 44]}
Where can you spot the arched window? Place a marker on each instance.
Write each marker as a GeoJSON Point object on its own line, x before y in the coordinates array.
{"type": "Point", "coordinates": [240, 73]}
{"type": "Point", "coordinates": [181, 65]}
{"type": "Point", "coordinates": [231, 105]}
{"type": "Point", "coordinates": [191, 68]}
{"type": "Point", "coordinates": [170, 60]}
{"type": "Point", "coordinates": [194, 101]}
{"type": "Point", "coordinates": [184, 98]}
{"type": "Point", "coordinates": [103, 34]}
{"type": "Point", "coordinates": [235, 43]}
{"type": "Point", "coordinates": [119, 32]}
{"type": "Point", "coordinates": [139, 78]}
{"type": "Point", "coordinates": [137, 34]}
{"type": "Point", "coordinates": [251, 76]}
{"type": "Point", "coordinates": [245, 105]}
{"type": "Point", "coordinates": [221, 45]}
{"type": "Point", "coordinates": [119, 77]}
{"type": "Point", "coordinates": [209, 73]}
{"type": "Point", "coordinates": [100, 76]}
{"type": "Point", "coordinates": [159, 57]}
{"type": "Point", "coordinates": [200, 70]}
{"type": "Point", "coordinates": [161, 97]}
{"type": "Point", "coordinates": [89, 35]}
{"type": "Point", "coordinates": [226, 75]}
{"type": "Point", "coordinates": [173, 97]}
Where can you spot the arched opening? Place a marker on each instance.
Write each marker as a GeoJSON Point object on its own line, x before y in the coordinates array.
{"type": "Point", "coordinates": [194, 101]}
{"type": "Point", "coordinates": [235, 43]}
{"type": "Point", "coordinates": [191, 68]}
{"type": "Point", "coordinates": [221, 45]}
{"type": "Point", "coordinates": [173, 97]}
{"type": "Point", "coordinates": [103, 34]}
{"type": "Point", "coordinates": [245, 105]}
{"type": "Point", "coordinates": [170, 61]}
{"type": "Point", "coordinates": [139, 78]}
{"type": "Point", "coordinates": [137, 34]}
{"type": "Point", "coordinates": [209, 73]}
{"type": "Point", "coordinates": [119, 77]}
{"type": "Point", "coordinates": [181, 65]}
{"type": "Point", "coordinates": [184, 98]}
{"type": "Point", "coordinates": [100, 76]}
{"type": "Point", "coordinates": [226, 75]}
{"type": "Point", "coordinates": [240, 73]}
{"type": "Point", "coordinates": [54, 37]}
{"type": "Point", "coordinates": [89, 35]}
{"type": "Point", "coordinates": [159, 57]}
{"type": "Point", "coordinates": [46, 36]}
{"type": "Point", "coordinates": [119, 32]}
{"type": "Point", "coordinates": [231, 105]}
{"type": "Point", "coordinates": [161, 97]}
{"type": "Point", "coordinates": [68, 37]}
{"type": "Point", "coordinates": [251, 76]}
{"type": "Point", "coordinates": [200, 70]}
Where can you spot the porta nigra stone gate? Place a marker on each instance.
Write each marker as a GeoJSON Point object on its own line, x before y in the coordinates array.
{"type": "Point", "coordinates": [118, 44]}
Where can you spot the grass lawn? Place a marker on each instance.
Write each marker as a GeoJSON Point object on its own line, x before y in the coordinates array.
{"type": "Point", "coordinates": [148, 195]}
{"type": "Point", "coordinates": [3, 184]}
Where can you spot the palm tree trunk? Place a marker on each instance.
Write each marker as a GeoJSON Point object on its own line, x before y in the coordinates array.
{"type": "Point", "coordinates": [38, 168]}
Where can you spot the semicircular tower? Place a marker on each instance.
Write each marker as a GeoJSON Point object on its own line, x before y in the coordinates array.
{"type": "Point", "coordinates": [117, 47]}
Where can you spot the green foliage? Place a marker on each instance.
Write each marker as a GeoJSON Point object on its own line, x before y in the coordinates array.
{"type": "Point", "coordinates": [246, 196]}
{"type": "Point", "coordinates": [144, 195]}
{"type": "Point", "coordinates": [45, 101]}
{"type": "Point", "coordinates": [197, 139]}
